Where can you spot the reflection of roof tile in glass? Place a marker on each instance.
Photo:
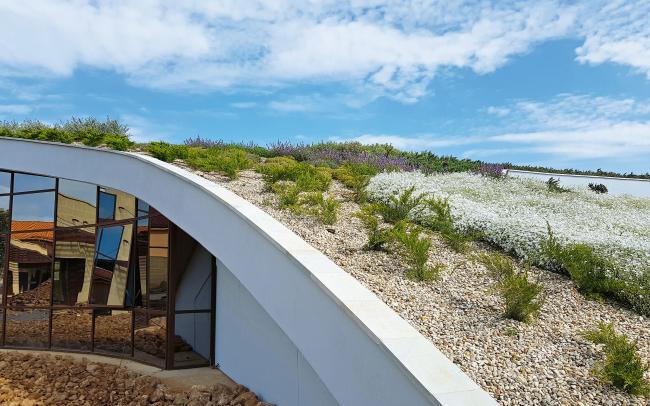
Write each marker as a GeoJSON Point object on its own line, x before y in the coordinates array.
{"type": "Point", "coordinates": [29, 230]}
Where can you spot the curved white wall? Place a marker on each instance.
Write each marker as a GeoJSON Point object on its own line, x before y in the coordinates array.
{"type": "Point", "coordinates": [360, 350]}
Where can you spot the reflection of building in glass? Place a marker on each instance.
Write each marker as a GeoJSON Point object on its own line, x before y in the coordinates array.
{"type": "Point", "coordinates": [88, 268]}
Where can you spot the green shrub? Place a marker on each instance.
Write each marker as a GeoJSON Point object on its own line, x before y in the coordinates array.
{"type": "Point", "coordinates": [118, 142]}
{"type": "Point", "coordinates": [307, 177]}
{"type": "Point", "coordinates": [399, 207]}
{"type": "Point", "coordinates": [88, 131]}
{"type": "Point", "coordinates": [167, 152]}
{"type": "Point", "coordinates": [595, 276]}
{"type": "Point", "coordinates": [442, 222]}
{"type": "Point", "coordinates": [288, 195]}
{"type": "Point", "coordinates": [377, 237]}
{"type": "Point", "coordinates": [599, 188]}
{"type": "Point", "coordinates": [553, 185]}
{"type": "Point", "coordinates": [291, 197]}
{"type": "Point", "coordinates": [637, 291]}
{"type": "Point", "coordinates": [592, 274]}
{"type": "Point", "coordinates": [520, 295]}
{"type": "Point", "coordinates": [229, 161]}
{"type": "Point", "coordinates": [551, 253]}
{"type": "Point", "coordinates": [328, 210]}
{"type": "Point", "coordinates": [355, 177]}
{"type": "Point", "coordinates": [622, 365]}
{"type": "Point", "coordinates": [499, 266]}
{"type": "Point", "coordinates": [414, 249]}
{"type": "Point", "coordinates": [91, 137]}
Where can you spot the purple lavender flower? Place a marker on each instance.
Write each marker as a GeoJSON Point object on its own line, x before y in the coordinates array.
{"type": "Point", "coordinates": [491, 170]}
{"type": "Point", "coordinates": [203, 142]}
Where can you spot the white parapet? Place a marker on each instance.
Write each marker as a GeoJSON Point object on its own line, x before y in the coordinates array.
{"type": "Point", "coordinates": [361, 350]}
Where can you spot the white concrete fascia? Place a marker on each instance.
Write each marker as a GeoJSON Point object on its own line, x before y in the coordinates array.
{"type": "Point", "coordinates": [429, 371]}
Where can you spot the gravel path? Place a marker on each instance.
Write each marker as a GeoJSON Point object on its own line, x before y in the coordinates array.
{"type": "Point", "coordinates": [542, 363]}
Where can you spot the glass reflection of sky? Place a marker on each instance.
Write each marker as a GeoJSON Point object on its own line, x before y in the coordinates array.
{"type": "Point", "coordinates": [5, 182]}
{"type": "Point", "coordinates": [4, 214]}
{"type": "Point", "coordinates": [106, 206]}
{"type": "Point", "coordinates": [78, 190]}
{"type": "Point", "coordinates": [26, 183]}
{"type": "Point", "coordinates": [110, 239]}
{"type": "Point", "coordinates": [33, 207]}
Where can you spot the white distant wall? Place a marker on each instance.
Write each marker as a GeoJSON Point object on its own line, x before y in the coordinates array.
{"type": "Point", "coordinates": [615, 186]}
{"type": "Point", "coordinates": [251, 348]}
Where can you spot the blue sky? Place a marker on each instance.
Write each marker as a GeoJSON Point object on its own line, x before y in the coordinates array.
{"type": "Point", "coordinates": [553, 83]}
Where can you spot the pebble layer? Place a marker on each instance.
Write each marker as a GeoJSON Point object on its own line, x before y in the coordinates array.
{"type": "Point", "coordinates": [546, 362]}
{"type": "Point", "coordinates": [43, 379]}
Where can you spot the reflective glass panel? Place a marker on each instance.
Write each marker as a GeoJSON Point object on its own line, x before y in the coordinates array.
{"type": "Point", "coordinates": [107, 206]}
{"type": "Point", "coordinates": [124, 204]}
{"type": "Point", "coordinates": [3, 252]}
{"type": "Point", "coordinates": [34, 211]}
{"type": "Point", "coordinates": [158, 262]}
{"type": "Point", "coordinates": [150, 338]}
{"type": "Point", "coordinates": [4, 214]}
{"type": "Point", "coordinates": [5, 182]}
{"type": "Point", "coordinates": [111, 265]}
{"type": "Point", "coordinates": [30, 268]}
{"type": "Point", "coordinates": [76, 204]}
{"type": "Point", "coordinates": [72, 329]}
{"type": "Point", "coordinates": [143, 208]}
{"type": "Point", "coordinates": [192, 343]}
{"type": "Point", "coordinates": [28, 183]}
{"type": "Point", "coordinates": [113, 331]}
{"type": "Point", "coordinates": [142, 251]}
{"type": "Point", "coordinates": [27, 328]}
{"type": "Point", "coordinates": [73, 266]}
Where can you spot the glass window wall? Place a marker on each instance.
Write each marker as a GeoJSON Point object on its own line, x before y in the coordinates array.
{"type": "Point", "coordinates": [87, 268]}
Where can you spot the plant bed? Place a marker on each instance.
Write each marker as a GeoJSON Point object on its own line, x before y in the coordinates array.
{"type": "Point", "coordinates": [547, 361]}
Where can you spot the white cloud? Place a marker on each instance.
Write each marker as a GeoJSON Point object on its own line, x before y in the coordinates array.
{"type": "Point", "coordinates": [388, 47]}
{"type": "Point", "coordinates": [579, 127]}
{"type": "Point", "coordinates": [385, 47]}
{"type": "Point", "coordinates": [617, 31]}
{"type": "Point", "coordinates": [243, 105]}
{"type": "Point", "coordinates": [498, 111]}
{"type": "Point", "coordinates": [567, 127]}
{"type": "Point", "coordinates": [420, 142]}
{"type": "Point", "coordinates": [15, 109]}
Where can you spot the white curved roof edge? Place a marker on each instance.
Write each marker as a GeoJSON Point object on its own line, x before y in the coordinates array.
{"type": "Point", "coordinates": [430, 372]}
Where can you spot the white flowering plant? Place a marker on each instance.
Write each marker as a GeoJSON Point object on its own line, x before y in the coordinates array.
{"type": "Point", "coordinates": [513, 213]}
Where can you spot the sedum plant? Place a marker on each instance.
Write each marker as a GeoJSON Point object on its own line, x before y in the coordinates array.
{"type": "Point", "coordinates": [622, 366]}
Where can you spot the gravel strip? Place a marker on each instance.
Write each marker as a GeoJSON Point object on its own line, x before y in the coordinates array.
{"type": "Point", "coordinates": [542, 363]}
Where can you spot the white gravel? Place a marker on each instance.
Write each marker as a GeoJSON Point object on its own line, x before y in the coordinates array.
{"type": "Point", "coordinates": [542, 363]}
